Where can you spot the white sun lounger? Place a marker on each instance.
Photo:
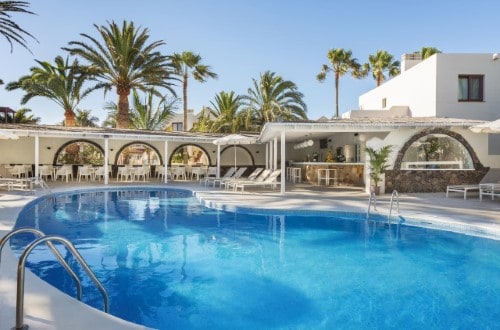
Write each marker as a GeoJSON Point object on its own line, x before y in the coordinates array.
{"type": "Point", "coordinates": [464, 188]}
{"type": "Point", "coordinates": [271, 180]}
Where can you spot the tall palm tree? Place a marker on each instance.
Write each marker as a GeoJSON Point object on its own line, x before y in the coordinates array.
{"type": "Point", "coordinates": [185, 63]}
{"type": "Point", "coordinates": [273, 99]}
{"type": "Point", "coordinates": [341, 62]}
{"type": "Point", "coordinates": [9, 29]}
{"type": "Point", "coordinates": [382, 62]}
{"type": "Point", "coordinates": [84, 118]}
{"type": "Point", "coordinates": [61, 83]}
{"type": "Point", "coordinates": [426, 52]}
{"type": "Point", "coordinates": [226, 112]}
{"type": "Point", "coordinates": [124, 60]}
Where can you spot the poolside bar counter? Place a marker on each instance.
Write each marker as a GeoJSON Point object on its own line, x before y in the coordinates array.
{"type": "Point", "coordinates": [351, 174]}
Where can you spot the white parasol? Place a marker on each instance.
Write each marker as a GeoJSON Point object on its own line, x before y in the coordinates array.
{"type": "Point", "coordinates": [235, 139]}
{"type": "Point", "coordinates": [5, 135]}
{"type": "Point", "coordinates": [489, 127]}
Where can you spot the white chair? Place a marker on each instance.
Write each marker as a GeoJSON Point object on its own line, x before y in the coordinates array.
{"type": "Point", "coordinates": [198, 172]}
{"type": "Point", "coordinates": [99, 173]}
{"type": "Point", "coordinates": [179, 171]}
{"type": "Point", "coordinates": [159, 171]}
{"type": "Point", "coordinates": [85, 172]}
{"type": "Point", "coordinates": [65, 171]}
{"type": "Point", "coordinates": [141, 172]}
{"type": "Point", "coordinates": [18, 171]}
{"type": "Point", "coordinates": [124, 173]}
{"type": "Point", "coordinates": [46, 171]}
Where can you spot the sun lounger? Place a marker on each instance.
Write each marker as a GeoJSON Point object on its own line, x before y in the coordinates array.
{"type": "Point", "coordinates": [271, 180]}
{"type": "Point", "coordinates": [489, 189]}
{"type": "Point", "coordinates": [464, 188]}
{"type": "Point", "coordinates": [228, 175]}
{"type": "Point", "coordinates": [229, 183]}
{"type": "Point", "coordinates": [235, 176]}
{"type": "Point", "coordinates": [261, 177]}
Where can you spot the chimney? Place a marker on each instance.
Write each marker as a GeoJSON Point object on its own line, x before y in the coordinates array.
{"type": "Point", "coordinates": [410, 60]}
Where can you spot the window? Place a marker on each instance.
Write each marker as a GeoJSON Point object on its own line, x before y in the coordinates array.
{"type": "Point", "coordinates": [384, 103]}
{"type": "Point", "coordinates": [470, 88]}
{"type": "Point", "coordinates": [177, 127]}
{"type": "Point", "coordinates": [437, 152]}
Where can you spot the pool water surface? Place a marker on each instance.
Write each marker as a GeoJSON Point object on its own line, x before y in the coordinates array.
{"type": "Point", "coordinates": [169, 262]}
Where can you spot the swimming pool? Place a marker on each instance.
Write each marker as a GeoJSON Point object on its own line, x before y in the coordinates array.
{"type": "Point", "coordinates": [169, 262]}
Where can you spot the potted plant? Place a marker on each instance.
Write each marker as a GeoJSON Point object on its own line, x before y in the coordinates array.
{"type": "Point", "coordinates": [378, 164]}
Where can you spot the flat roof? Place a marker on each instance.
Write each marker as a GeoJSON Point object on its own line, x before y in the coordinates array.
{"type": "Point", "coordinates": [296, 130]}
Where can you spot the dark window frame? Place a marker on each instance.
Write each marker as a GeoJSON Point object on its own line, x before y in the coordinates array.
{"type": "Point", "coordinates": [469, 97]}
{"type": "Point", "coordinates": [177, 126]}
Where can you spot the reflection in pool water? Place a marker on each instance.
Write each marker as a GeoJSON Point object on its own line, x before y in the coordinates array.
{"type": "Point", "coordinates": [168, 262]}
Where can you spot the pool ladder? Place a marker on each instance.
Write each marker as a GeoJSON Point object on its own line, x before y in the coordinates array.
{"type": "Point", "coordinates": [373, 201]}
{"type": "Point", "coordinates": [42, 238]}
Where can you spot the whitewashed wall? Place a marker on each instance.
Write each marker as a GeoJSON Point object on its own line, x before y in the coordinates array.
{"type": "Point", "coordinates": [415, 88]}
{"type": "Point", "coordinates": [449, 67]}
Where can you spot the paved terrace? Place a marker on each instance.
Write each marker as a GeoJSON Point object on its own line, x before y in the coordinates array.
{"type": "Point", "coordinates": [47, 308]}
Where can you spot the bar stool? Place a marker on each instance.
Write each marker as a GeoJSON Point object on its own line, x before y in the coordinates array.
{"type": "Point", "coordinates": [296, 174]}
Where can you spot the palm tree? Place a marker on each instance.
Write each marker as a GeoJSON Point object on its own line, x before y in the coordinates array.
{"type": "Point", "coordinates": [204, 123]}
{"type": "Point", "coordinates": [84, 118]}
{"type": "Point", "coordinates": [383, 62]}
{"type": "Point", "coordinates": [8, 28]}
{"type": "Point", "coordinates": [342, 63]}
{"type": "Point", "coordinates": [144, 115]}
{"type": "Point", "coordinates": [61, 83]}
{"type": "Point", "coordinates": [274, 99]}
{"type": "Point", "coordinates": [426, 52]}
{"type": "Point", "coordinates": [22, 117]}
{"type": "Point", "coordinates": [185, 62]}
{"type": "Point", "coordinates": [226, 112]}
{"type": "Point", "coordinates": [123, 60]}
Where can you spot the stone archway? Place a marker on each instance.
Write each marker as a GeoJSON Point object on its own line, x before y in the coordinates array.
{"type": "Point", "coordinates": [411, 181]}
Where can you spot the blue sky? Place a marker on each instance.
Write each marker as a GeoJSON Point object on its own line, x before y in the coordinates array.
{"type": "Point", "coordinates": [242, 39]}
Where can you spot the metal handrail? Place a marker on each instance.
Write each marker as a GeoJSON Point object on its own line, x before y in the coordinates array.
{"type": "Point", "coordinates": [394, 194]}
{"type": "Point", "coordinates": [21, 272]}
{"type": "Point", "coordinates": [56, 253]}
{"type": "Point", "coordinates": [372, 200]}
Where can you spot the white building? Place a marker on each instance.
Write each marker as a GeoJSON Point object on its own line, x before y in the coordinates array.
{"type": "Point", "coordinates": [463, 86]}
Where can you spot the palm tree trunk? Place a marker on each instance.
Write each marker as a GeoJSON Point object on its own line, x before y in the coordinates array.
{"type": "Point", "coordinates": [69, 118]}
{"type": "Point", "coordinates": [336, 95]}
{"type": "Point", "coordinates": [122, 118]}
{"type": "Point", "coordinates": [185, 99]}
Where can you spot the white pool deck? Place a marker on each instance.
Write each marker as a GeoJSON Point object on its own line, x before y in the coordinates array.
{"type": "Point", "coordinates": [47, 308]}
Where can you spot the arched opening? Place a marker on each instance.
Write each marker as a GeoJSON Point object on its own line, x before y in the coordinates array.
{"type": "Point", "coordinates": [79, 152]}
{"type": "Point", "coordinates": [236, 155]}
{"type": "Point", "coordinates": [433, 159]}
{"type": "Point", "coordinates": [138, 153]}
{"type": "Point", "coordinates": [189, 154]}
{"type": "Point", "coordinates": [436, 152]}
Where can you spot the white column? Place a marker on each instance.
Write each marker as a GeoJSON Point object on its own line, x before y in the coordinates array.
{"type": "Point", "coordinates": [37, 155]}
{"type": "Point", "coordinates": [275, 153]}
{"type": "Point", "coordinates": [218, 161]}
{"type": "Point", "coordinates": [165, 161]}
{"type": "Point", "coordinates": [106, 160]}
{"type": "Point", "coordinates": [271, 154]}
{"type": "Point", "coordinates": [267, 155]}
{"type": "Point", "coordinates": [283, 168]}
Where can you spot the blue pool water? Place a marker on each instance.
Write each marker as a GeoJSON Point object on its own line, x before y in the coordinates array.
{"type": "Point", "coordinates": [170, 263]}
